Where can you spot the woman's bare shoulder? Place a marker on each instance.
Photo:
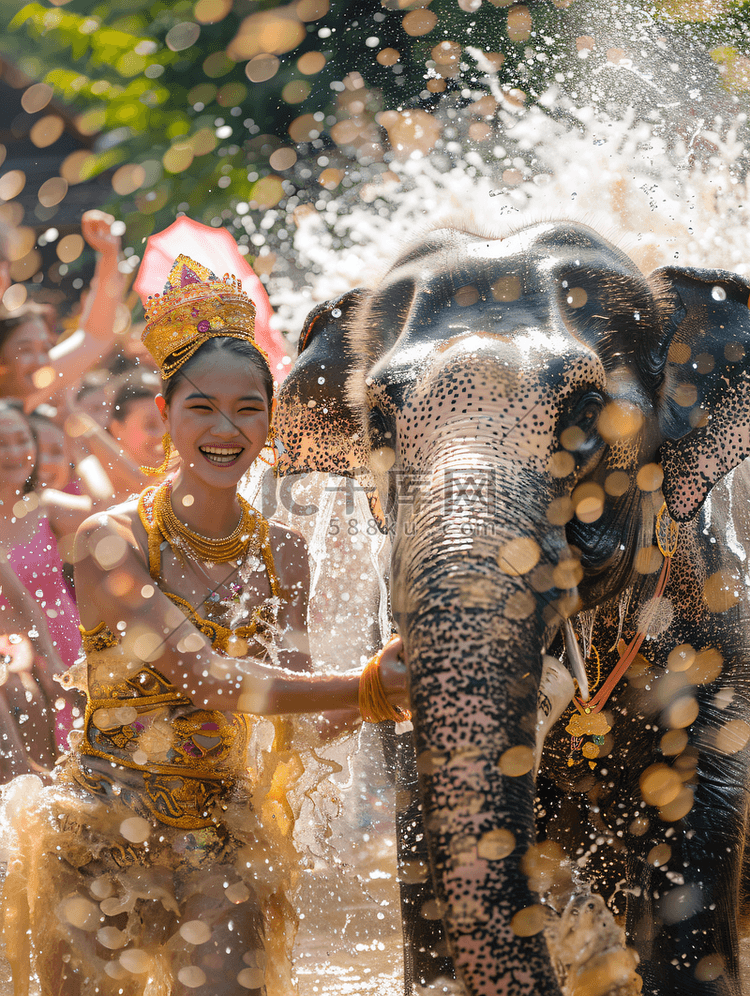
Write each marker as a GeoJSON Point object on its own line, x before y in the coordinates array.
{"type": "Point", "coordinates": [121, 520]}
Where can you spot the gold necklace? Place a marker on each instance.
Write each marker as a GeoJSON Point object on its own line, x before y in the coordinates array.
{"type": "Point", "coordinates": [156, 505]}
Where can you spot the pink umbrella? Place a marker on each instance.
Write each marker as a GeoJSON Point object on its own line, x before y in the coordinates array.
{"type": "Point", "coordinates": [216, 249]}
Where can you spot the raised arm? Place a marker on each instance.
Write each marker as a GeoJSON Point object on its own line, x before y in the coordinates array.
{"type": "Point", "coordinates": [88, 437]}
{"type": "Point", "coordinates": [99, 316]}
{"type": "Point", "coordinates": [93, 338]}
{"type": "Point", "coordinates": [109, 559]}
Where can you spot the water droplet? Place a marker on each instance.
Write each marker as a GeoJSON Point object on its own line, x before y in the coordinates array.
{"type": "Point", "coordinates": [111, 937]}
{"type": "Point", "coordinates": [195, 932]}
{"type": "Point", "coordinates": [191, 976]}
{"type": "Point", "coordinates": [135, 829]}
{"type": "Point", "coordinates": [237, 893]}
{"type": "Point", "coordinates": [251, 978]}
{"type": "Point", "coordinates": [135, 961]}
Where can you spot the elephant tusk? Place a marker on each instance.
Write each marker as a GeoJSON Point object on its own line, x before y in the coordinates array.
{"type": "Point", "coordinates": [556, 691]}
{"type": "Point", "coordinates": [576, 659]}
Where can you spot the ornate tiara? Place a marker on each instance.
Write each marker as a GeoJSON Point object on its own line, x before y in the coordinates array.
{"type": "Point", "coordinates": [194, 307]}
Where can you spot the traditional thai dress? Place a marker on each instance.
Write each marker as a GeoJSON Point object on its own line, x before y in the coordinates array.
{"type": "Point", "coordinates": [163, 851]}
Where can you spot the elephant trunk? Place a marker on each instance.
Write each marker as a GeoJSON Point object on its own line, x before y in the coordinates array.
{"type": "Point", "coordinates": [476, 601]}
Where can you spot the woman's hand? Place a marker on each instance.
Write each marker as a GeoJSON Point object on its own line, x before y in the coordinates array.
{"type": "Point", "coordinates": [16, 654]}
{"type": "Point", "coordinates": [96, 227]}
{"type": "Point", "coordinates": [393, 673]}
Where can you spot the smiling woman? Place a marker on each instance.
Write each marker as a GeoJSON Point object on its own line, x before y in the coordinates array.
{"type": "Point", "coordinates": [224, 427]}
{"type": "Point", "coordinates": [25, 342]}
{"type": "Point", "coordinates": [169, 850]}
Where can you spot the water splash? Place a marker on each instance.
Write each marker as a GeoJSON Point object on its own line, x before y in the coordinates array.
{"type": "Point", "coordinates": [674, 195]}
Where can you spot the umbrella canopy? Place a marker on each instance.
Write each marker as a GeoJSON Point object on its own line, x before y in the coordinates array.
{"type": "Point", "coordinates": [216, 249]}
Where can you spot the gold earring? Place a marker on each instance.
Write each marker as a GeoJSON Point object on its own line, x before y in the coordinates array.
{"type": "Point", "coordinates": [166, 442]}
{"type": "Point", "coordinates": [270, 445]}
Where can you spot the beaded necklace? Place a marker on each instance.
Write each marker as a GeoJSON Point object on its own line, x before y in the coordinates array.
{"type": "Point", "coordinates": [234, 640]}
{"type": "Point", "coordinates": [157, 515]}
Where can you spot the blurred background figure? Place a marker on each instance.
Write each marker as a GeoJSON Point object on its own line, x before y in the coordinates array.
{"type": "Point", "coordinates": [26, 340]}
{"type": "Point", "coordinates": [29, 532]}
{"type": "Point", "coordinates": [137, 426]}
{"type": "Point", "coordinates": [42, 500]}
{"type": "Point", "coordinates": [52, 465]}
{"type": "Point", "coordinates": [34, 368]}
{"type": "Point", "coordinates": [122, 434]}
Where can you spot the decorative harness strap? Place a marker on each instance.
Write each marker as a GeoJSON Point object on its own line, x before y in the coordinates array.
{"type": "Point", "coordinates": [588, 721]}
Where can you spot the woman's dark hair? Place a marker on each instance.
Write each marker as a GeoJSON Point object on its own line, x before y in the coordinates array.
{"type": "Point", "coordinates": [133, 387]}
{"type": "Point", "coordinates": [240, 347]}
{"type": "Point", "coordinates": [12, 320]}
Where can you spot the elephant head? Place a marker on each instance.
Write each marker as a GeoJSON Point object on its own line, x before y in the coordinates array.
{"type": "Point", "coordinates": [524, 405]}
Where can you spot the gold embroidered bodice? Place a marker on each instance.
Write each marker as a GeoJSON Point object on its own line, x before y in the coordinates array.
{"type": "Point", "coordinates": [144, 740]}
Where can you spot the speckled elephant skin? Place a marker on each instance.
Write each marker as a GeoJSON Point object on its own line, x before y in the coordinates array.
{"type": "Point", "coordinates": [524, 408]}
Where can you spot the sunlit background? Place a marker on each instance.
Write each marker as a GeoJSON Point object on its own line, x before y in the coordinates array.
{"type": "Point", "coordinates": [324, 135]}
{"type": "Point", "coordinates": [264, 117]}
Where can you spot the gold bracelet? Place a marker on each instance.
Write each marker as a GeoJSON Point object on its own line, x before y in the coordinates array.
{"type": "Point", "coordinates": [374, 706]}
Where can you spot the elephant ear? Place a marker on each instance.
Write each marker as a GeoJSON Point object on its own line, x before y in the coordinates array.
{"type": "Point", "coordinates": [704, 411]}
{"type": "Point", "coordinates": [313, 422]}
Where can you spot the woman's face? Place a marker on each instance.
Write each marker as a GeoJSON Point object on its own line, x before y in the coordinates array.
{"type": "Point", "coordinates": [24, 352]}
{"type": "Point", "coordinates": [17, 451]}
{"type": "Point", "coordinates": [52, 466]}
{"type": "Point", "coordinates": [218, 419]}
{"type": "Point", "coordinates": [139, 432]}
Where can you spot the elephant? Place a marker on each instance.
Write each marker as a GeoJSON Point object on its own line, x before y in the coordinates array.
{"type": "Point", "coordinates": [555, 443]}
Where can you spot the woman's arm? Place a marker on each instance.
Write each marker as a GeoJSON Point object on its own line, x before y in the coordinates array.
{"type": "Point", "coordinates": [65, 512]}
{"type": "Point", "coordinates": [86, 346]}
{"type": "Point", "coordinates": [114, 587]}
{"type": "Point", "coordinates": [19, 613]}
{"type": "Point", "coordinates": [29, 686]}
{"type": "Point", "coordinates": [90, 436]}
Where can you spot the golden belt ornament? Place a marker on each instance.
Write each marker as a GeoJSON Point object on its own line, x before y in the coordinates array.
{"type": "Point", "coordinates": [588, 721]}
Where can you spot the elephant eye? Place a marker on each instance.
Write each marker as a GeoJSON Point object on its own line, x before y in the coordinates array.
{"type": "Point", "coordinates": [589, 416]}
{"type": "Point", "coordinates": [578, 429]}
{"type": "Point", "coordinates": [380, 429]}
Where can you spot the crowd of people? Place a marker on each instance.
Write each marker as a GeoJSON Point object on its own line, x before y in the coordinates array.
{"type": "Point", "coordinates": [77, 422]}
{"type": "Point", "coordinates": [149, 614]}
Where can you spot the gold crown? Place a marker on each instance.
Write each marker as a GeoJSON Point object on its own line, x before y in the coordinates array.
{"type": "Point", "coordinates": [194, 307]}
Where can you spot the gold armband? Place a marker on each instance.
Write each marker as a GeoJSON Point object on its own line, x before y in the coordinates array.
{"type": "Point", "coordinates": [374, 706]}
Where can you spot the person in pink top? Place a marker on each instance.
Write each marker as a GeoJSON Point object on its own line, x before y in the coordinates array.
{"type": "Point", "coordinates": [30, 529]}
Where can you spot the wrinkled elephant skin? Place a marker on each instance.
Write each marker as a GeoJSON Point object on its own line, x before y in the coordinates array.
{"type": "Point", "coordinates": [526, 406]}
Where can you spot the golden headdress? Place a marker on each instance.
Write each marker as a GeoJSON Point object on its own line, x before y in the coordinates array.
{"type": "Point", "coordinates": [194, 307]}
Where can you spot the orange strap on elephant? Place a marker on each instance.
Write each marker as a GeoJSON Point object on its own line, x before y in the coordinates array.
{"type": "Point", "coordinates": [588, 721]}
{"type": "Point", "coordinates": [667, 533]}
